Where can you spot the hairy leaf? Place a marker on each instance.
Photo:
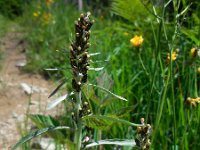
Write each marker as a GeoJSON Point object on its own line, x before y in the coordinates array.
{"type": "Point", "coordinates": [117, 96]}
{"type": "Point", "coordinates": [103, 122]}
{"type": "Point", "coordinates": [120, 142]}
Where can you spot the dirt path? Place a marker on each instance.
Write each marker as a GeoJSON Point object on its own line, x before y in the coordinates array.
{"type": "Point", "coordinates": [14, 99]}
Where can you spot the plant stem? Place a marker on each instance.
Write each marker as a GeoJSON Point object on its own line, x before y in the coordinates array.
{"type": "Point", "coordinates": [143, 64]}
{"type": "Point", "coordinates": [78, 134]}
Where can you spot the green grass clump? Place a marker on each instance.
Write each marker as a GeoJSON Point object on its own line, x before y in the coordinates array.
{"type": "Point", "coordinates": [12, 8]}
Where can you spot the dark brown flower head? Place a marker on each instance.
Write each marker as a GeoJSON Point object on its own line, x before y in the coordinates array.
{"type": "Point", "coordinates": [78, 51]}
{"type": "Point", "coordinates": [143, 133]}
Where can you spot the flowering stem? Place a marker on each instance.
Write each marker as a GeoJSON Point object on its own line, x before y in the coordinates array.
{"type": "Point", "coordinates": [161, 105]}
{"type": "Point", "coordinates": [79, 60]}
{"type": "Point", "coordinates": [78, 134]}
{"type": "Point", "coordinates": [144, 68]}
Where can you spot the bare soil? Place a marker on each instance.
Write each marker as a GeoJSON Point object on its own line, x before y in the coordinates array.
{"type": "Point", "coordinates": [14, 101]}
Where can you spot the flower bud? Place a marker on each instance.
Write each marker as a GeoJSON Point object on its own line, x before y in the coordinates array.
{"type": "Point", "coordinates": [79, 48]}
{"type": "Point", "coordinates": [82, 15]}
{"type": "Point", "coordinates": [85, 103]}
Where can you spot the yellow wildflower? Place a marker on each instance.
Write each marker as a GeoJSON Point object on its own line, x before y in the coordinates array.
{"type": "Point", "coordinates": [193, 52]}
{"type": "Point", "coordinates": [36, 14]}
{"type": "Point", "coordinates": [47, 17]}
{"type": "Point", "coordinates": [137, 41]}
{"type": "Point", "coordinates": [174, 55]}
{"type": "Point", "coordinates": [193, 101]}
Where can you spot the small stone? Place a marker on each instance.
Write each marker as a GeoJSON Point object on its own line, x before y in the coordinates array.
{"type": "Point", "coordinates": [26, 88]}
{"type": "Point", "coordinates": [21, 64]}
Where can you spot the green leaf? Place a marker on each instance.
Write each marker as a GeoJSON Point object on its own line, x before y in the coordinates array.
{"type": "Point", "coordinates": [131, 10]}
{"type": "Point", "coordinates": [191, 34]}
{"type": "Point", "coordinates": [104, 122]}
{"type": "Point", "coordinates": [125, 111]}
{"type": "Point", "coordinates": [90, 94]}
{"type": "Point", "coordinates": [107, 101]}
{"type": "Point", "coordinates": [120, 142]}
{"type": "Point", "coordinates": [117, 96]}
{"type": "Point", "coordinates": [37, 133]}
{"type": "Point", "coordinates": [55, 102]}
{"type": "Point", "coordinates": [42, 121]}
{"type": "Point", "coordinates": [96, 69]}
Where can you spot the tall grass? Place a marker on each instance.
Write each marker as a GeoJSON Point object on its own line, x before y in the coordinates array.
{"type": "Point", "coordinates": [163, 92]}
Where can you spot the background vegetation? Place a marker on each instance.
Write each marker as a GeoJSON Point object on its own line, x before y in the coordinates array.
{"type": "Point", "coordinates": [157, 87]}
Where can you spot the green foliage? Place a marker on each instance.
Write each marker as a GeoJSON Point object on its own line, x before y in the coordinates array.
{"type": "Point", "coordinates": [4, 25]}
{"type": "Point", "coordinates": [131, 10]}
{"type": "Point", "coordinates": [156, 87]}
{"type": "Point", "coordinates": [42, 121]}
{"type": "Point", "coordinates": [11, 8]}
{"type": "Point", "coordinates": [50, 27]}
{"type": "Point", "coordinates": [193, 33]}
{"type": "Point", "coordinates": [162, 87]}
{"type": "Point", "coordinates": [104, 122]}
{"type": "Point", "coordinates": [36, 134]}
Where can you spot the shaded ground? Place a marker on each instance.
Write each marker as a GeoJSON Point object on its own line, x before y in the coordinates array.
{"type": "Point", "coordinates": [14, 100]}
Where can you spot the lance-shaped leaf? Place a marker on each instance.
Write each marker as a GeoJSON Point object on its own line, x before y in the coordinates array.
{"type": "Point", "coordinates": [55, 102]}
{"type": "Point", "coordinates": [119, 142]}
{"type": "Point", "coordinates": [58, 87]}
{"type": "Point", "coordinates": [37, 133]}
{"type": "Point", "coordinates": [103, 122]}
{"type": "Point", "coordinates": [94, 54]}
{"type": "Point", "coordinates": [102, 88]}
{"type": "Point", "coordinates": [192, 34]}
{"type": "Point", "coordinates": [96, 69]}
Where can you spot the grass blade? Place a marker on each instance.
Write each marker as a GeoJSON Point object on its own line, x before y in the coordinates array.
{"type": "Point", "coordinates": [37, 133]}
{"type": "Point", "coordinates": [59, 86]}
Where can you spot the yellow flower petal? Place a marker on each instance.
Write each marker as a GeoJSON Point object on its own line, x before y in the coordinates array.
{"type": "Point", "coordinates": [174, 56]}
{"type": "Point", "coordinates": [137, 41]}
{"type": "Point", "coordinates": [193, 51]}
